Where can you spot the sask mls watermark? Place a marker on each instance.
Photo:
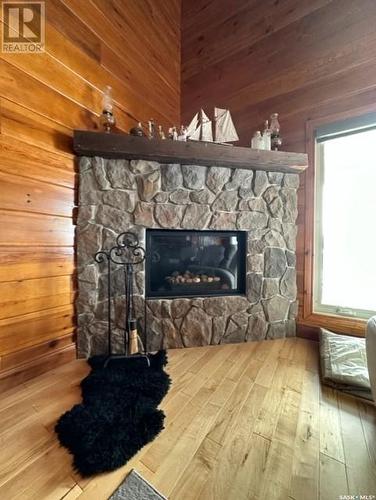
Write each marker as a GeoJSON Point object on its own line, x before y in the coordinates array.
{"type": "Point", "coordinates": [23, 27]}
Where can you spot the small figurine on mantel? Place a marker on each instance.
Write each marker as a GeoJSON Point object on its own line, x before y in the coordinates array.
{"type": "Point", "coordinates": [107, 118]}
{"type": "Point", "coordinates": [151, 129]}
{"type": "Point", "coordinates": [137, 131]}
{"type": "Point", "coordinates": [172, 133]}
{"type": "Point", "coordinates": [182, 134]}
{"type": "Point", "coordinates": [161, 133]}
{"type": "Point", "coordinates": [153, 133]}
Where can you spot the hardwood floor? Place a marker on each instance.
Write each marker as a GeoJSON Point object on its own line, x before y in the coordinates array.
{"type": "Point", "coordinates": [244, 421]}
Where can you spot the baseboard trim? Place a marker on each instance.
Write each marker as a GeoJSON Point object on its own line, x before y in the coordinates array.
{"type": "Point", "coordinates": [307, 332]}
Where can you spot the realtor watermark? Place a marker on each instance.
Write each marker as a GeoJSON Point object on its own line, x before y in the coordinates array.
{"type": "Point", "coordinates": [23, 27]}
{"type": "Point", "coordinates": [357, 497]}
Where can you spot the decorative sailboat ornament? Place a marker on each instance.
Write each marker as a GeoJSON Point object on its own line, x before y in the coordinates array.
{"type": "Point", "coordinates": [224, 128]}
{"type": "Point", "coordinates": [200, 128]}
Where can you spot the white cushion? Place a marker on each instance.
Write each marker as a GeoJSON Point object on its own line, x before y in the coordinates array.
{"type": "Point", "coordinates": [371, 353]}
{"type": "Point", "coordinates": [343, 361]}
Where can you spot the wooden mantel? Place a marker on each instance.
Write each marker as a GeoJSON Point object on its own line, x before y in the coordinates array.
{"type": "Point", "coordinates": [89, 143]}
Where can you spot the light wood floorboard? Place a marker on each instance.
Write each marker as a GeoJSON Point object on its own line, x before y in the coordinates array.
{"type": "Point", "coordinates": [244, 421]}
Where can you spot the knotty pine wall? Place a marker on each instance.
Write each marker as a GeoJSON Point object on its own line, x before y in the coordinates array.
{"type": "Point", "coordinates": [134, 46]}
{"type": "Point", "coordinates": [305, 59]}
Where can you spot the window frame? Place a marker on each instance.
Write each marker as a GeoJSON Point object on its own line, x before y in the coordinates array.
{"type": "Point", "coordinates": [308, 317]}
{"type": "Point", "coordinates": [318, 306]}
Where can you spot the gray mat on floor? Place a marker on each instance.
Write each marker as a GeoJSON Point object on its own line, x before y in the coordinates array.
{"type": "Point", "coordinates": [344, 363]}
{"type": "Point", "coordinates": [135, 487]}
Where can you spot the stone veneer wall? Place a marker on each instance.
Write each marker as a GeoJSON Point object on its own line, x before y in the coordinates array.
{"type": "Point", "coordinates": [120, 195]}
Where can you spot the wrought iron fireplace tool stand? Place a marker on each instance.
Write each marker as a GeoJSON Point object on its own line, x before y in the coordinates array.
{"type": "Point", "coordinates": [126, 253]}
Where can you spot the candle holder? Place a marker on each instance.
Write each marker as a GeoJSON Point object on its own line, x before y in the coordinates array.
{"type": "Point", "coordinates": [276, 141]}
{"type": "Point", "coordinates": [107, 118]}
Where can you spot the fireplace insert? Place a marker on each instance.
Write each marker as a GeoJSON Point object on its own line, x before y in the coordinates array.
{"type": "Point", "coordinates": [195, 263]}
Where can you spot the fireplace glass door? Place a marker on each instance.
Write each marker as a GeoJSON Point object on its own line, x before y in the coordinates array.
{"type": "Point", "coordinates": [195, 263]}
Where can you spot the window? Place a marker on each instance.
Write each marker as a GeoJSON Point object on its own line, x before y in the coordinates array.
{"type": "Point", "coordinates": [345, 220]}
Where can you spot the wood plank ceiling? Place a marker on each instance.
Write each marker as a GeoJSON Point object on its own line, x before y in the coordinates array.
{"type": "Point", "coordinates": [305, 59]}
{"type": "Point", "coordinates": [135, 48]}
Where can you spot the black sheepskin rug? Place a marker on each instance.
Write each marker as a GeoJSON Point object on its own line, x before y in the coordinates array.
{"type": "Point", "coordinates": [118, 414]}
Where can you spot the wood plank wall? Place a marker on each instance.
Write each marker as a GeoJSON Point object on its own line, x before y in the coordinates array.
{"type": "Point", "coordinates": [305, 59]}
{"type": "Point", "coordinates": [132, 46]}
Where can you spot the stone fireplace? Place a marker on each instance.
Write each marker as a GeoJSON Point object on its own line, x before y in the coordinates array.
{"type": "Point", "coordinates": [117, 195]}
